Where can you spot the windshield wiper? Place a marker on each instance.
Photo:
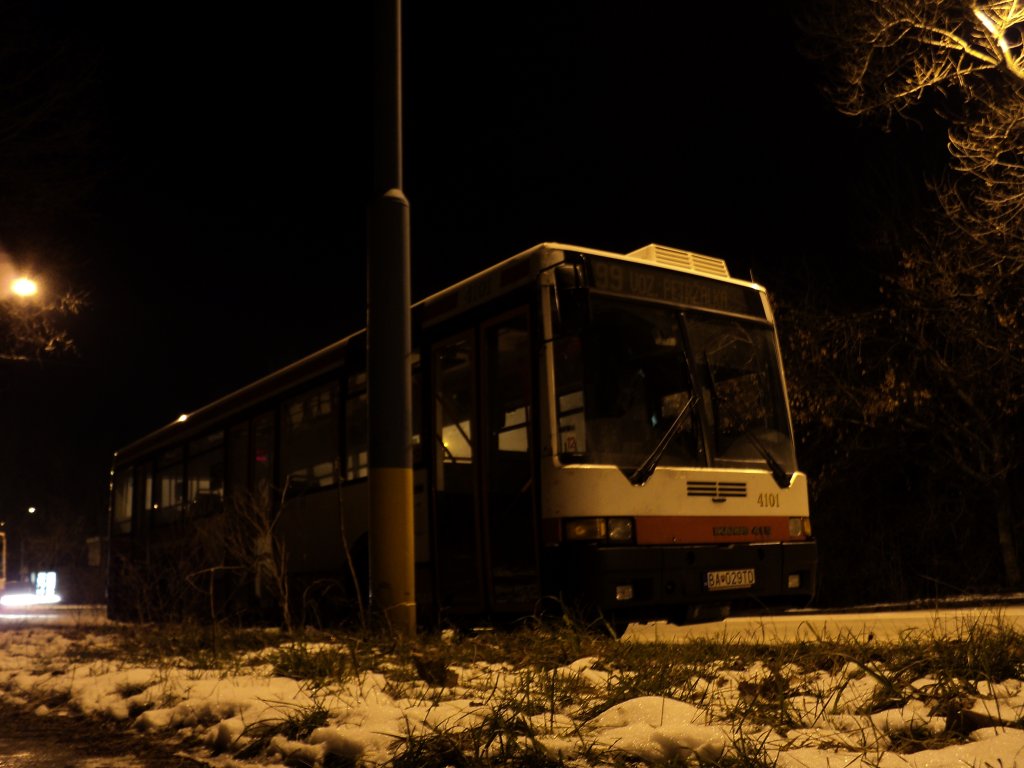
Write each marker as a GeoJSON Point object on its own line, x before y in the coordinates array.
{"type": "Point", "coordinates": [782, 478]}
{"type": "Point", "coordinates": [642, 473]}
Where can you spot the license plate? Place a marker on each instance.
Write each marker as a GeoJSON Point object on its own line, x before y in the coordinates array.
{"type": "Point", "coordinates": [741, 578]}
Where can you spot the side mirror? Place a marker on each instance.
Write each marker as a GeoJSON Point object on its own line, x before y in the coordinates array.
{"type": "Point", "coordinates": [570, 299]}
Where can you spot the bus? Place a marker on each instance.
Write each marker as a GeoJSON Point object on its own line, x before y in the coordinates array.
{"type": "Point", "coordinates": [591, 429]}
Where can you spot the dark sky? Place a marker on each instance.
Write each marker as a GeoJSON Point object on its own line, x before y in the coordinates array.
{"type": "Point", "coordinates": [202, 172]}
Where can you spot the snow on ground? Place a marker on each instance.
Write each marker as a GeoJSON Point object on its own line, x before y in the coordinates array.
{"type": "Point", "coordinates": [371, 716]}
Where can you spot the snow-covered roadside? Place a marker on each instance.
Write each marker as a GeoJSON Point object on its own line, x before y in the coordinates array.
{"type": "Point", "coordinates": [243, 713]}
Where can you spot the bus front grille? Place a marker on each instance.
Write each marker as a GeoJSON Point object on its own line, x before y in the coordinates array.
{"type": "Point", "coordinates": [717, 490]}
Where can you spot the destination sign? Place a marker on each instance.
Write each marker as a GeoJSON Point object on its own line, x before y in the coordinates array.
{"type": "Point", "coordinates": [643, 282]}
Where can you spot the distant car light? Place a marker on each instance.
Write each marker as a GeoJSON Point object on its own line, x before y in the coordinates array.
{"type": "Point", "coordinates": [24, 599]}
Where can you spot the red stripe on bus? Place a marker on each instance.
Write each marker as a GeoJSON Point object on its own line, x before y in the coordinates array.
{"type": "Point", "coordinates": [712, 530]}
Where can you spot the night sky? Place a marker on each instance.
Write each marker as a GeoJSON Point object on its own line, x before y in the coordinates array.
{"type": "Point", "coordinates": [202, 173]}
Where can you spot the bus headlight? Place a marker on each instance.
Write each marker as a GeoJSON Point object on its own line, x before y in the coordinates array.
{"type": "Point", "coordinates": [585, 529]}
{"type": "Point", "coordinates": [799, 526]}
{"type": "Point", "coordinates": [617, 530]}
{"type": "Point", "coordinates": [620, 529]}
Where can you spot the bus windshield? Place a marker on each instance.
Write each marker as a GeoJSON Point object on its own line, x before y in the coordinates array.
{"type": "Point", "coordinates": [623, 381]}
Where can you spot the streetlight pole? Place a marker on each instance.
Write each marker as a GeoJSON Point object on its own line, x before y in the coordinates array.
{"type": "Point", "coordinates": [389, 344]}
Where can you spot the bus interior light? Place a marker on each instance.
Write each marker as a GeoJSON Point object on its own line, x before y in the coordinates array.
{"type": "Point", "coordinates": [624, 592]}
{"type": "Point", "coordinates": [793, 581]}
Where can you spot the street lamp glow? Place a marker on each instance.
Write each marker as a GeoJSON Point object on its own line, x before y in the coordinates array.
{"type": "Point", "coordinates": [24, 286]}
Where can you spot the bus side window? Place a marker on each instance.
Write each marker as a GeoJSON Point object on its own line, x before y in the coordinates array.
{"type": "Point", "coordinates": [205, 471]}
{"type": "Point", "coordinates": [309, 439]}
{"type": "Point", "coordinates": [123, 497]}
{"type": "Point", "coordinates": [509, 386]}
{"type": "Point", "coordinates": [237, 462]}
{"type": "Point", "coordinates": [356, 438]}
{"type": "Point", "coordinates": [263, 451]}
{"type": "Point", "coordinates": [572, 426]}
{"type": "Point", "coordinates": [143, 507]}
{"type": "Point", "coordinates": [455, 402]}
{"type": "Point", "coordinates": [417, 412]}
{"type": "Point", "coordinates": [170, 488]}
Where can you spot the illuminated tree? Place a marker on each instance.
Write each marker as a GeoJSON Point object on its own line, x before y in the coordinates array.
{"type": "Point", "coordinates": [49, 131]}
{"type": "Point", "coordinates": [959, 61]}
{"type": "Point", "coordinates": [953, 367]}
{"type": "Point", "coordinates": [33, 327]}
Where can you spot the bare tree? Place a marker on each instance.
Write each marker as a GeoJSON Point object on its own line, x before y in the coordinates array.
{"type": "Point", "coordinates": [959, 61]}
{"type": "Point", "coordinates": [255, 544]}
{"type": "Point", "coordinates": [963, 331]}
{"type": "Point", "coordinates": [887, 56]}
{"type": "Point", "coordinates": [955, 295]}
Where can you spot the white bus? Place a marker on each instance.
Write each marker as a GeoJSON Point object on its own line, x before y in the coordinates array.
{"type": "Point", "coordinates": [591, 429]}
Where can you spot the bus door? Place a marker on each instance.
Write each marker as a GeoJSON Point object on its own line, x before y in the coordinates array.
{"type": "Point", "coordinates": [507, 466]}
{"type": "Point", "coordinates": [456, 523]}
{"type": "Point", "coordinates": [485, 526]}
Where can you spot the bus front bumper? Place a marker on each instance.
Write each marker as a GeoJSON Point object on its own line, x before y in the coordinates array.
{"type": "Point", "coordinates": [614, 578]}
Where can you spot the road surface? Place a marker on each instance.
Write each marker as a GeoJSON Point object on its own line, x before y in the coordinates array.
{"type": "Point", "coordinates": [882, 625]}
{"type": "Point", "coordinates": [53, 616]}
